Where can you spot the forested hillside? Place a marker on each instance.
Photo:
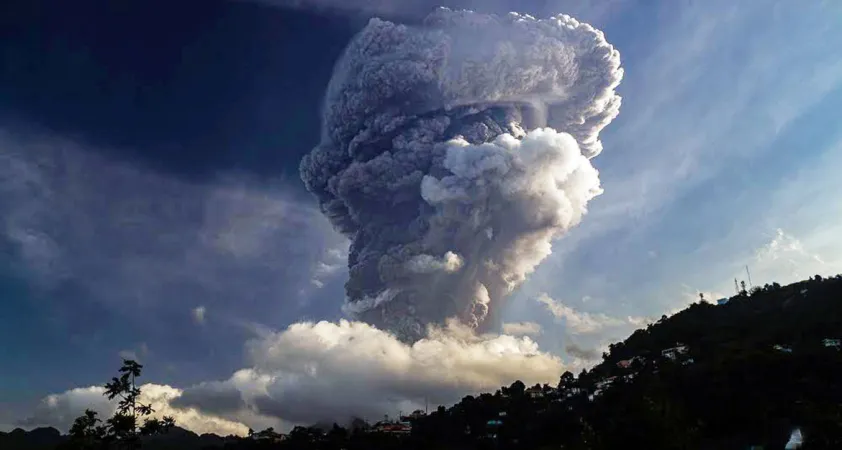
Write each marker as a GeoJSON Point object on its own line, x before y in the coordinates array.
{"type": "Point", "coordinates": [729, 376]}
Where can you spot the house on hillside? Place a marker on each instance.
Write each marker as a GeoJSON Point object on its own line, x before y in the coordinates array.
{"type": "Point", "coordinates": [832, 343]}
{"type": "Point", "coordinates": [624, 364]}
{"type": "Point", "coordinates": [674, 352]}
{"type": "Point", "coordinates": [606, 383]}
{"type": "Point", "coordinates": [269, 435]}
{"type": "Point", "coordinates": [627, 363]}
{"type": "Point", "coordinates": [392, 427]}
{"type": "Point", "coordinates": [549, 391]}
{"type": "Point", "coordinates": [572, 392]}
{"type": "Point", "coordinates": [601, 385]}
{"type": "Point", "coordinates": [535, 392]}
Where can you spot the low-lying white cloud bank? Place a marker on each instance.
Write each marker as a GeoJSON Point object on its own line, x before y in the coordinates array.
{"type": "Point", "coordinates": [329, 371]}
{"type": "Point", "coordinates": [332, 371]}
{"type": "Point", "coordinates": [60, 410]}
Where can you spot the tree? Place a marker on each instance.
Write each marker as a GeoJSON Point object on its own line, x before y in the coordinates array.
{"type": "Point", "coordinates": [517, 389]}
{"type": "Point", "coordinates": [124, 429]}
{"type": "Point", "coordinates": [87, 432]}
{"type": "Point", "coordinates": [566, 381]}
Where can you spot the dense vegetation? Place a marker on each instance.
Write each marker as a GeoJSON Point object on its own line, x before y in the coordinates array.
{"type": "Point", "coordinates": [731, 389]}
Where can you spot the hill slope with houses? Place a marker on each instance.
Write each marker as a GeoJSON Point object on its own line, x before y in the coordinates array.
{"type": "Point", "coordinates": [759, 370]}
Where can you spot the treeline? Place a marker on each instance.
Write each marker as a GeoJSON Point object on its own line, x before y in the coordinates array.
{"type": "Point", "coordinates": [749, 373]}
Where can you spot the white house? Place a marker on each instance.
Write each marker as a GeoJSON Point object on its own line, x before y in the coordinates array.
{"type": "Point", "coordinates": [535, 392]}
{"type": "Point", "coordinates": [269, 435]}
{"type": "Point", "coordinates": [572, 392]}
{"type": "Point", "coordinates": [602, 384]}
{"type": "Point", "coordinates": [672, 353]}
{"type": "Point", "coordinates": [626, 363]}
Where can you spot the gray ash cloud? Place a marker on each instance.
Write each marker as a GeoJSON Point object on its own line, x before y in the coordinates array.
{"type": "Point", "coordinates": [453, 152]}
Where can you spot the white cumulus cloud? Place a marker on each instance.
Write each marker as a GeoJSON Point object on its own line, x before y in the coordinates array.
{"type": "Point", "coordinates": [335, 371]}
{"type": "Point", "coordinates": [59, 410]}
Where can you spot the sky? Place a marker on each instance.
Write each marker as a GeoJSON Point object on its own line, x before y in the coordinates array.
{"type": "Point", "coordinates": [151, 207]}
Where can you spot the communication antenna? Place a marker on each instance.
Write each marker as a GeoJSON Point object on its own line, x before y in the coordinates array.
{"type": "Point", "coordinates": [749, 277]}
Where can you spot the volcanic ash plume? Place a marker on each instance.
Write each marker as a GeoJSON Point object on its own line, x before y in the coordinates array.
{"type": "Point", "coordinates": [453, 152]}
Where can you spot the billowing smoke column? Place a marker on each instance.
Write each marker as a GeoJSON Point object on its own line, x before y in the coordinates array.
{"type": "Point", "coordinates": [453, 152]}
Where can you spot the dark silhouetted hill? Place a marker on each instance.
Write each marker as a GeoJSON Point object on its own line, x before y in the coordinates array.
{"type": "Point", "coordinates": [38, 438]}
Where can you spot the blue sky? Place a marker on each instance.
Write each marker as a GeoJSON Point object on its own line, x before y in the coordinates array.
{"type": "Point", "coordinates": [151, 204]}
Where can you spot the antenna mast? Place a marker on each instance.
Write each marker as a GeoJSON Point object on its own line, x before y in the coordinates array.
{"type": "Point", "coordinates": [749, 277]}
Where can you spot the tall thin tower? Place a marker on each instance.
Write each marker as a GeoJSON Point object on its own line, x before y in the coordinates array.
{"type": "Point", "coordinates": [749, 277]}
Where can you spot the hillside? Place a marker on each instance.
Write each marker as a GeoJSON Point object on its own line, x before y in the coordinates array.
{"type": "Point", "coordinates": [731, 376]}
{"type": "Point", "coordinates": [727, 386]}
